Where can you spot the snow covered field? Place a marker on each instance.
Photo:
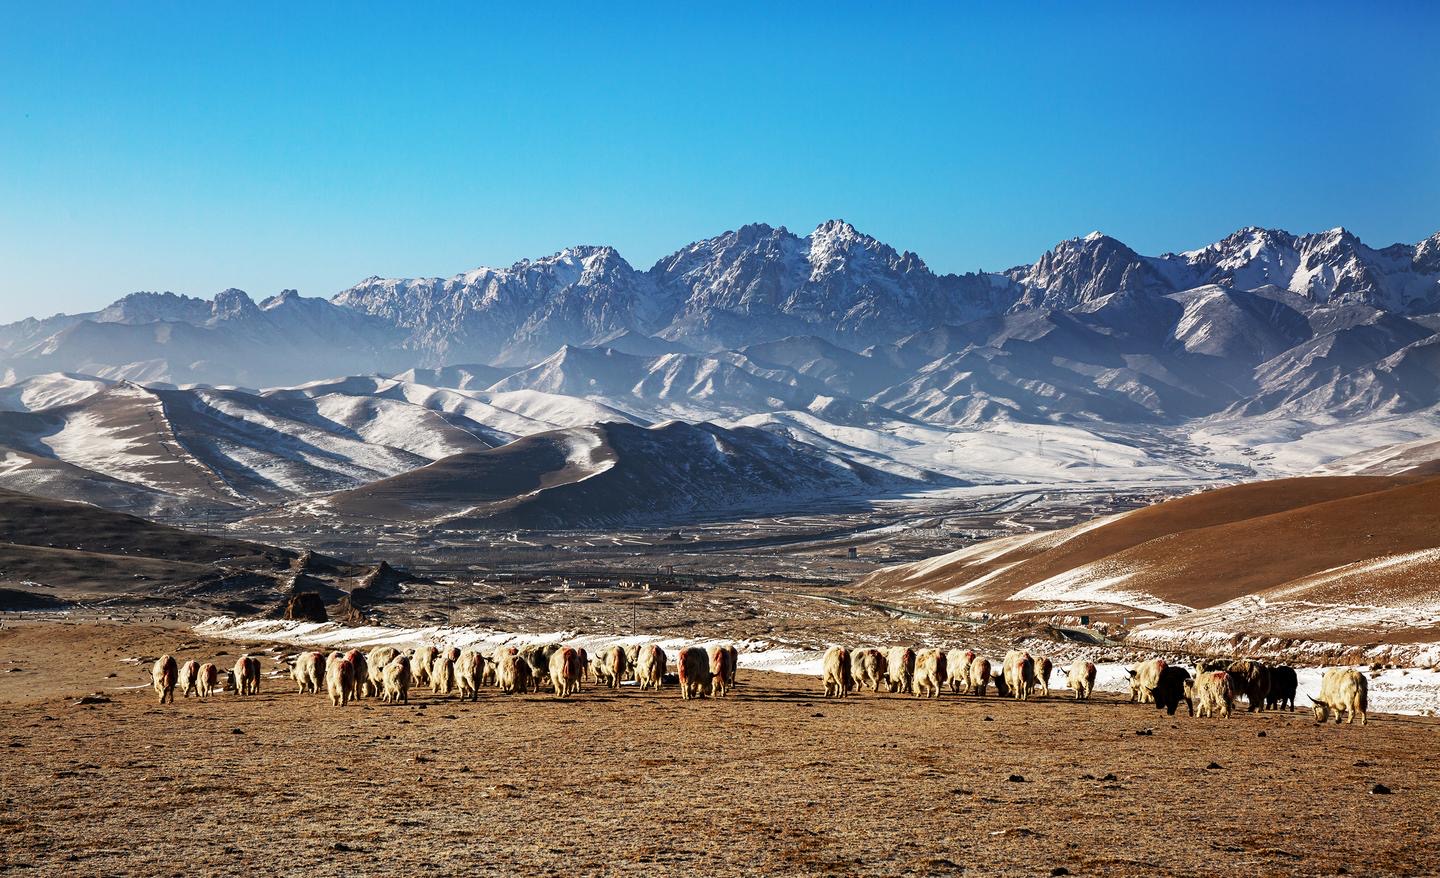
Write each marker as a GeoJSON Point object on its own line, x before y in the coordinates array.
{"type": "Point", "coordinates": [1414, 691]}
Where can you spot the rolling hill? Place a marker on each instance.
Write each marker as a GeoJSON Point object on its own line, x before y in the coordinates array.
{"type": "Point", "coordinates": [1353, 560]}
{"type": "Point", "coordinates": [55, 553]}
{"type": "Point", "coordinates": [617, 474]}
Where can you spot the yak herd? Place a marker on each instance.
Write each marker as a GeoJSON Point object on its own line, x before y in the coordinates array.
{"type": "Point", "coordinates": [1216, 685]}
{"type": "Point", "coordinates": [388, 673]}
{"type": "Point", "coordinates": [1214, 688]}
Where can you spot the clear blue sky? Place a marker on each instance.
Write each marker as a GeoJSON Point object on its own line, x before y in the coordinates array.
{"type": "Point", "coordinates": [198, 146]}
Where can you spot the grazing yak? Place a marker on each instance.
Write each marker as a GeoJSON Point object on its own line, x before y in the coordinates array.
{"type": "Point", "coordinates": [1144, 677]}
{"type": "Point", "coordinates": [650, 667]}
{"type": "Point", "coordinates": [722, 670]}
{"type": "Point", "coordinates": [537, 656]}
{"type": "Point", "coordinates": [900, 668]}
{"type": "Point", "coordinates": [632, 658]}
{"type": "Point", "coordinates": [929, 679]}
{"type": "Point", "coordinates": [189, 678]}
{"type": "Point", "coordinates": [398, 679]}
{"type": "Point", "coordinates": [1211, 691]}
{"type": "Point", "coordinates": [835, 672]}
{"type": "Point", "coordinates": [442, 674]}
{"type": "Point", "coordinates": [340, 682]}
{"type": "Point", "coordinates": [957, 669]}
{"type": "Point", "coordinates": [979, 676]}
{"type": "Point", "coordinates": [375, 663]}
{"type": "Point", "coordinates": [610, 666]}
{"type": "Point", "coordinates": [163, 676]}
{"type": "Point", "coordinates": [309, 671]}
{"type": "Point", "coordinates": [1343, 691]}
{"type": "Point", "coordinates": [470, 674]}
{"type": "Point", "coordinates": [361, 664]}
{"type": "Point", "coordinates": [1043, 669]}
{"type": "Point", "coordinates": [565, 671]}
{"type": "Point", "coordinates": [693, 666]}
{"type": "Point", "coordinates": [1081, 678]}
{"type": "Point", "coordinates": [422, 658]}
{"type": "Point", "coordinates": [867, 669]}
{"type": "Point", "coordinates": [1172, 689]}
{"type": "Point", "coordinates": [209, 679]}
{"type": "Point", "coordinates": [1020, 674]}
{"type": "Point", "coordinates": [512, 673]}
{"type": "Point", "coordinates": [1251, 679]}
{"type": "Point", "coordinates": [1283, 683]}
{"type": "Point", "coordinates": [247, 675]}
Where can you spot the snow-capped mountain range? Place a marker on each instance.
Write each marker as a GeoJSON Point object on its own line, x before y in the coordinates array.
{"type": "Point", "coordinates": [848, 352]}
{"type": "Point", "coordinates": [754, 285]}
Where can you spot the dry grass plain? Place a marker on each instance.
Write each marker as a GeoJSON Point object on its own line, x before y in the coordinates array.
{"type": "Point", "coordinates": [773, 780]}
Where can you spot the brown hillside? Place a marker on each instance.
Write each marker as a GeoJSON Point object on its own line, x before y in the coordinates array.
{"type": "Point", "coordinates": [1207, 566]}
{"type": "Point", "coordinates": [39, 521]}
{"type": "Point", "coordinates": [1343, 559]}
{"type": "Point", "coordinates": [1033, 559]}
{"type": "Point", "coordinates": [72, 551]}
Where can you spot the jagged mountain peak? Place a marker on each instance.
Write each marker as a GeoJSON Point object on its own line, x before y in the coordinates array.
{"type": "Point", "coordinates": [280, 299]}
{"type": "Point", "coordinates": [755, 284]}
{"type": "Point", "coordinates": [233, 303]}
{"type": "Point", "coordinates": [839, 230]}
{"type": "Point", "coordinates": [1078, 270]}
{"type": "Point", "coordinates": [149, 307]}
{"type": "Point", "coordinates": [835, 242]}
{"type": "Point", "coordinates": [1427, 255]}
{"type": "Point", "coordinates": [567, 265]}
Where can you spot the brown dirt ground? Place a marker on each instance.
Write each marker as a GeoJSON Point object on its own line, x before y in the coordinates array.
{"type": "Point", "coordinates": [774, 780]}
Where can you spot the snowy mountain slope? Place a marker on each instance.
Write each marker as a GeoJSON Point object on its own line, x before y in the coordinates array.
{"type": "Point", "coordinates": [1416, 457]}
{"type": "Point", "coordinates": [1092, 329]}
{"type": "Point", "coordinates": [48, 391]}
{"type": "Point", "coordinates": [283, 340]}
{"type": "Point", "coordinates": [225, 447]}
{"type": "Point", "coordinates": [44, 476]}
{"type": "Point", "coordinates": [615, 474]}
{"type": "Point", "coordinates": [464, 376]}
{"type": "Point", "coordinates": [761, 283]}
{"type": "Point", "coordinates": [515, 314]}
{"type": "Point", "coordinates": [491, 415]}
{"type": "Point", "coordinates": [1328, 267]}
{"type": "Point", "coordinates": [685, 385]}
{"type": "Point", "coordinates": [838, 369]}
{"type": "Point", "coordinates": [1263, 353]}
{"type": "Point", "coordinates": [1331, 266]}
{"type": "Point", "coordinates": [1081, 269]}
{"type": "Point", "coordinates": [167, 449]}
{"type": "Point", "coordinates": [121, 433]}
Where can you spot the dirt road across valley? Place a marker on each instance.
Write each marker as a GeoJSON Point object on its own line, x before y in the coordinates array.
{"type": "Point", "coordinates": [773, 780]}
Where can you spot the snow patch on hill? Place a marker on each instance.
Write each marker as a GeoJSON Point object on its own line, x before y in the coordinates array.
{"type": "Point", "coordinates": [49, 391]}
{"type": "Point", "coordinates": [1098, 583]}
